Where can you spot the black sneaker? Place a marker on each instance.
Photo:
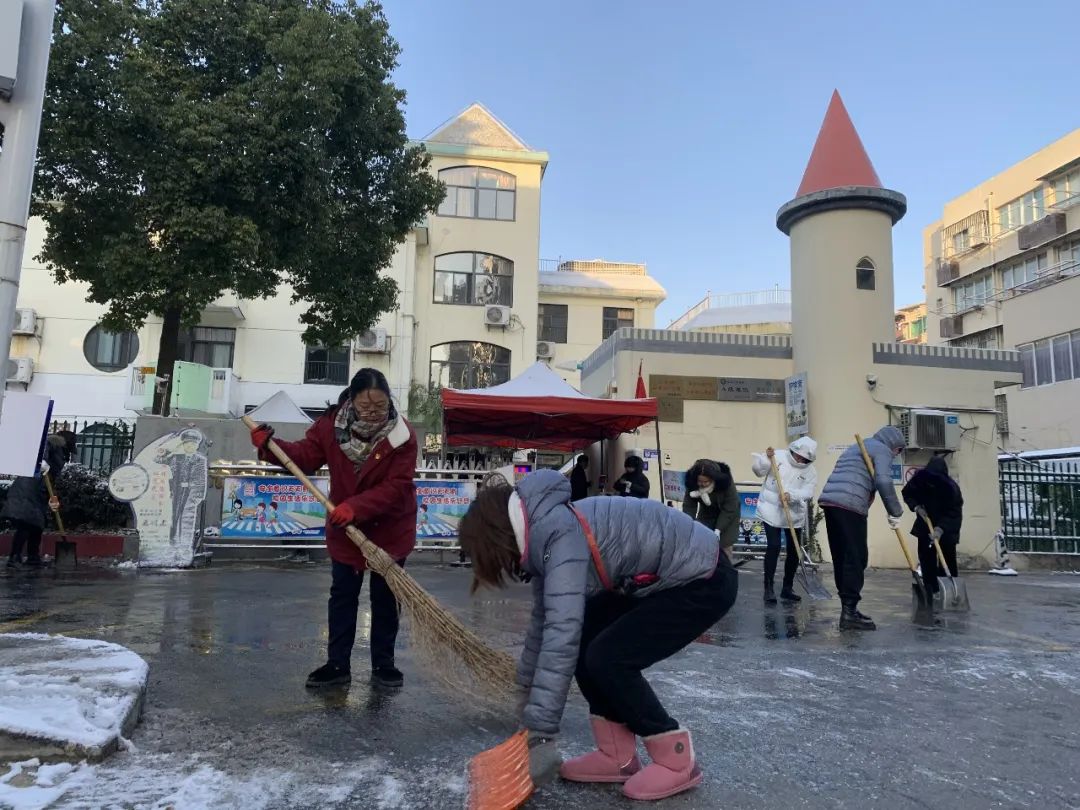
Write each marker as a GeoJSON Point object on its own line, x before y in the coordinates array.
{"type": "Point", "coordinates": [33, 562]}
{"type": "Point", "coordinates": [851, 619]}
{"type": "Point", "coordinates": [789, 595]}
{"type": "Point", "coordinates": [389, 677]}
{"type": "Point", "coordinates": [14, 562]}
{"type": "Point", "coordinates": [770, 595]}
{"type": "Point", "coordinates": [328, 675]}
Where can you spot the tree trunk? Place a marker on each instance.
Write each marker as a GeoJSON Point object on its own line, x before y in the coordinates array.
{"type": "Point", "coordinates": [167, 351]}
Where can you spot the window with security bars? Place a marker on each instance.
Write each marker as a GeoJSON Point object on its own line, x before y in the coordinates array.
{"type": "Point", "coordinates": [552, 321]}
{"type": "Point", "coordinates": [326, 365]}
{"type": "Point", "coordinates": [616, 318]}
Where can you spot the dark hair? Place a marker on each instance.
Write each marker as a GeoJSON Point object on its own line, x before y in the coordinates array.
{"type": "Point", "coordinates": [273, 504]}
{"type": "Point", "coordinates": [582, 460]}
{"type": "Point", "coordinates": [718, 471]}
{"type": "Point", "coordinates": [364, 380]}
{"type": "Point", "coordinates": [237, 501]}
{"type": "Point", "coordinates": [487, 537]}
{"type": "Point", "coordinates": [634, 463]}
{"type": "Point", "coordinates": [70, 441]}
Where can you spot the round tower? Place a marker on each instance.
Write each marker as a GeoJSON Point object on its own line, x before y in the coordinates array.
{"type": "Point", "coordinates": [840, 224]}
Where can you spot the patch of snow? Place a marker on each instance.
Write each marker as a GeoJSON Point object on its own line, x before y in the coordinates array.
{"type": "Point", "coordinates": [82, 690]}
{"type": "Point", "coordinates": [792, 672]}
{"type": "Point", "coordinates": [391, 794]}
{"type": "Point", "coordinates": [32, 786]}
{"type": "Point", "coordinates": [128, 565]}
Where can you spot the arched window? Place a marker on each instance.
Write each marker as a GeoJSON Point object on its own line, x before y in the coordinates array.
{"type": "Point", "coordinates": [475, 192]}
{"type": "Point", "coordinates": [468, 364]}
{"type": "Point", "coordinates": [864, 274]}
{"type": "Point", "coordinates": [474, 278]}
{"type": "Point", "coordinates": [110, 351]}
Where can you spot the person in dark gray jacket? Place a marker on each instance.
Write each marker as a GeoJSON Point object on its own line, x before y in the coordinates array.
{"type": "Point", "coordinates": [28, 504]}
{"type": "Point", "coordinates": [618, 585]}
{"type": "Point", "coordinates": [846, 500]}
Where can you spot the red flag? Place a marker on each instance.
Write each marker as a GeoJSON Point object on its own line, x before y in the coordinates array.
{"type": "Point", "coordinates": [639, 392]}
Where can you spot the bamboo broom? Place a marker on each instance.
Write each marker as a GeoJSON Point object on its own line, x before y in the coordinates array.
{"type": "Point", "coordinates": [437, 636]}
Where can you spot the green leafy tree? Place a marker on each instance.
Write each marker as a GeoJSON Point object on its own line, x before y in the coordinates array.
{"type": "Point", "coordinates": [194, 147]}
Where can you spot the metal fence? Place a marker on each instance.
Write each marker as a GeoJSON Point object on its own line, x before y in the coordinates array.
{"type": "Point", "coordinates": [1040, 506]}
{"type": "Point", "coordinates": [103, 444]}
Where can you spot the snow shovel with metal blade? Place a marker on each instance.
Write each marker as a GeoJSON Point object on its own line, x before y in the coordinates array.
{"type": "Point", "coordinates": [953, 596]}
{"type": "Point", "coordinates": [920, 599]}
{"type": "Point", "coordinates": [807, 575]}
{"type": "Point", "coordinates": [64, 554]}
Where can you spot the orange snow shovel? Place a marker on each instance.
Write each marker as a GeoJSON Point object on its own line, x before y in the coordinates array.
{"type": "Point", "coordinates": [499, 777]}
{"type": "Point", "coordinates": [920, 600]}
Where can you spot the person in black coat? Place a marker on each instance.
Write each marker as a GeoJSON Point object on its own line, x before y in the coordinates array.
{"type": "Point", "coordinates": [28, 504]}
{"type": "Point", "coordinates": [706, 483]}
{"type": "Point", "coordinates": [633, 481]}
{"type": "Point", "coordinates": [579, 479]}
{"type": "Point", "coordinates": [933, 491]}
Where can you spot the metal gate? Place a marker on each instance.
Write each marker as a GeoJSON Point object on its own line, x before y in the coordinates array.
{"type": "Point", "coordinates": [1040, 506]}
{"type": "Point", "coordinates": [103, 444]}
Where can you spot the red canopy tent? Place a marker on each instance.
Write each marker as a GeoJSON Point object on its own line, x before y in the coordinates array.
{"type": "Point", "coordinates": [538, 409]}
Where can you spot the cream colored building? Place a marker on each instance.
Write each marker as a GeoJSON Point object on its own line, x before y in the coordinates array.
{"type": "Point", "coordinates": [475, 308]}
{"type": "Point", "coordinates": [722, 394]}
{"type": "Point", "coordinates": [1003, 271]}
{"type": "Point", "coordinates": [911, 324]}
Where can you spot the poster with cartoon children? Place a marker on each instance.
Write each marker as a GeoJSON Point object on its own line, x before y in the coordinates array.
{"type": "Point", "coordinates": [264, 507]}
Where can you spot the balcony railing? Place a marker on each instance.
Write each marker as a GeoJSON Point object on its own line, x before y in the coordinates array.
{"type": "Point", "coordinates": [776, 295]}
{"type": "Point", "coordinates": [195, 388]}
{"type": "Point", "coordinates": [592, 266]}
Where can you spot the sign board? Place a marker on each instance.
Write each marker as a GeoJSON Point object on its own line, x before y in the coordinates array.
{"type": "Point", "coordinates": [897, 471]}
{"type": "Point", "coordinates": [649, 454]}
{"type": "Point", "coordinates": [672, 483]}
{"type": "Point", "coordinates": [749, 389]}
{"type": "Point", "coordinates": [751, 529]}
{"type": "Point", "coordinates": [440, 505]}
{"type": "Point", "coordinates": [909, 472]}
{"type": "Point", "coordinates": [836, 449]}
{"type": "Point", "coordinates": [24, 424]}
{"type": "Point", "coordinates": [272, 507]}
{"type": "Point", "coordinates": [165, 485]}
{"type": "Point", "coordinates": [795, 412]}
{"type": "Point", "coordinates": [669, 408]}
{"type": "Point", "coordinates": [671, 391]}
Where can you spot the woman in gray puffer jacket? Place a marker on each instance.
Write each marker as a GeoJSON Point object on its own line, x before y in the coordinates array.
{"type": "Point", "coordinates": [618, 585]}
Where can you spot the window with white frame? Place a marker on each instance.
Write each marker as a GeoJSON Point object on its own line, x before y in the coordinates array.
{"type": "Point", "coordinates": [475, 192]}
{"type": "Point", "coordinates": [1051, 360]}
{"type": "Point", "coordinates": [960, 241]}
{"type": "Point", "coordinates": [975, 292]}
{"type": "Point", "coordinates": [474, 278]}
{"type": "Point", "coordinates": [1023, 271]}
{"type": "Point", "coordinates": [1067, 189]}
{"type": "Point", "coordinates": [1067, 256]}
{"type": "Point", "coordinates": [1024, 210]}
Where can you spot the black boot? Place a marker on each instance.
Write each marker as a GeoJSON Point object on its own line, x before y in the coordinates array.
{"type": "Point", "coordinates": [851, 619]}
{"type": "Point", "coordinates": [788, 595]}
{"type": "Point", "coordinates": [770, 594]}
{"type": "Point", "coordinates": [328, 675]}
{"type": "Point", "coordinates": [13, 562]}
{"type": "Point", "coordinates": [388, 677]}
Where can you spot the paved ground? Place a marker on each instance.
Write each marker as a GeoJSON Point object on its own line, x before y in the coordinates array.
{"type": "Point", "coordinates": [787, 712]}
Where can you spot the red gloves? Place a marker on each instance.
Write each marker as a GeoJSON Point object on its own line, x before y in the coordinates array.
{"type": "Point", "coordinates": [342, 515]}
{"type": "Point", "coordinates": [261, 436]}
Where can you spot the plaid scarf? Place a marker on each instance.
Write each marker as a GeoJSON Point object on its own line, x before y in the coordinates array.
{"type": "Point", "coordinates": [356, 437]}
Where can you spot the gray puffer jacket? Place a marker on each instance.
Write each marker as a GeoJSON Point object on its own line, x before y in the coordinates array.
{"type": "Point", "coordinates": [635, 537]}
{"type": "Point", "coordinates": [850, 486]}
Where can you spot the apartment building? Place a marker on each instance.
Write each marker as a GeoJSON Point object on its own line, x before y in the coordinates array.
{"type": "Point", "coordinates": [1003, 272]}
{"type": "Point", "coordinates": [911, 324]}
{"type": "Point", "coordinates": [476, 307]}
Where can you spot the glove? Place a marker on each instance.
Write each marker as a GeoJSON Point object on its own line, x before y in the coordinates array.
{"type": "Point", "coordinates": [342, 515]}
{"type": "Point", "coordinates": [894, 521]}
{"type": "Point", "coordinates": [938, 533]}
{"type": "Point", "coordinates": [544, 759]}
{"type": "Point", "coordinates": [44, 467]}
{"type": "Point", "coordinates": [54, 503]}
{"type": "Point", "coordinates": [920, 512]}
{"type": "Point", "coordinates": [261, 436]}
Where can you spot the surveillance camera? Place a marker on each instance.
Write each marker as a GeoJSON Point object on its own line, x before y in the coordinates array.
{"type": "Point", "coordinates": [871, 380]}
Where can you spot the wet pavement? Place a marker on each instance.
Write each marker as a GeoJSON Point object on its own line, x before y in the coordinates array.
{"type": "Point", "coordinates": [787, 711]}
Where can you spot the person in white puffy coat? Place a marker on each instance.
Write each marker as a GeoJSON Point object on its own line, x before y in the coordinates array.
{"type": "Point", "coordinates": [799, 479]}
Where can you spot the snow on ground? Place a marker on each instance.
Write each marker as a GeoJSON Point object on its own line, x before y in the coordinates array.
{"type": "Point", "coordinates": [83, 691]}
{"type": "Point", "coordinates": [176, 782]}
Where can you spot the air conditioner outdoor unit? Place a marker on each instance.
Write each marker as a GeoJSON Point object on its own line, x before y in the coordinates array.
{"type": "Point", "coordinates": [25, 322]}
{"type": "Point", "coordinates": [952, 326]}
{"type": "Point", "coordinates": [545, 350]}
{"type": "Point", "coordinates": [20, 370]}
{"type": "Point", "coordinates": [931, 430]}
{"type": "Point", "coordinates": [373, 341]}
{"type": "Point", "coordinates": [495, 315]}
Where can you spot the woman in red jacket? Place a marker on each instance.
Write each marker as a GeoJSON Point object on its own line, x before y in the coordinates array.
{"type": "Point", "coordinates": [370, 451]}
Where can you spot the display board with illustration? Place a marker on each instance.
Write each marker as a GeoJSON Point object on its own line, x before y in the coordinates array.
{"type": "Point", "coordinates": [256, 507]}
{"type": "Point", "coordinates": [440, 505]}
{"type": "Point", "coordinates": [165, 485]}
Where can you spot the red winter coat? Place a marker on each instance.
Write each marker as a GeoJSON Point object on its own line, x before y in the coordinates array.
{"type": "Point", "coordinates": [382, 491]}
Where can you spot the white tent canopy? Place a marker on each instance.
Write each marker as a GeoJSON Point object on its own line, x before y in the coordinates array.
{"type": "Point", "coordinates": [536, 381]}
{"type": "Point", "coordinates": [280, 409]}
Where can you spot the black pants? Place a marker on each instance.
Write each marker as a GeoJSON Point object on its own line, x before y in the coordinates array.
{"type": "Point", "coordinates": [847, 542]}
{"type": "Point", "coordinates": [341, 615]}
{"type": "Point", "coordinates": [931, 567]}
{"type": "Point", "coordinates": [28, 537]}
{"type": "Point", "coordinates": [772, 555]}
{"type": "Point", "coordinates": [622, 635]}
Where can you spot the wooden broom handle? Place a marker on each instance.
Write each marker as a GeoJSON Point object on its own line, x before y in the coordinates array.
{"type": "Point", "coordinates": [937, 545]}
{"type": "Point", "coordinates": [787, 512]}
{"type": "Point", "coordinates": [357, 536]}
{"type": "Point", "coordinates": [899, 535]}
